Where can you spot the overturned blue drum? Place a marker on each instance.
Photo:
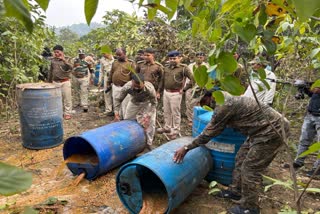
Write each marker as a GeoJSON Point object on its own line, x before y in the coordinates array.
{"type": "Point", "coordinates": [155, 174]}
{"type": "Point", "coordinates": [104, 148]}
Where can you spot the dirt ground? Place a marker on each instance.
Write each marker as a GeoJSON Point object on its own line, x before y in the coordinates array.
{"type": "Point", "coordinates": [99, 196]}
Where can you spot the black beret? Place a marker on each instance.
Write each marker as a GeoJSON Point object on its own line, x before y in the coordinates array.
{"type": "Point", "coordinates": [200, 54]}
{"type": "Point", "coordinates": [149, 50]}
{"type": "Point", "coordinates": [140, 52]}
{"type": "Point", "coordinates": [58, 47]}
{"type": "Point", "coordinates": [173, 53]}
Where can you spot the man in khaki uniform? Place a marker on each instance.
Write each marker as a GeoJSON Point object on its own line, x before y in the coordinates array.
{"type": "Point", "coordinates": [105, 69]}
{"type": "Point", "coordinates": [151, 70]}
{"type": "Point", "coordinates": [81, 70]}
{"type": "Point", "coordinates": [173, 82]}
{"type": "Point", "coordinates": [120, 74]}
{"type": "Point", "coordinates": [193, 95]}
{"type": "Point", "coordinates": [141, 106]}
{"type": "Point", "coordinates": [59, 74]}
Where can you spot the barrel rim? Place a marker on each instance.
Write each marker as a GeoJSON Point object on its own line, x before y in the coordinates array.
{"type": "Point", "coordinates": [99, 158]}
{"type": "Point", "coordinates": [122, 168]}
{"type": "Point", "coordinates": [37, 86]}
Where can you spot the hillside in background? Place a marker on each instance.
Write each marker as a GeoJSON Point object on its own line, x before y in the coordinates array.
{"type": "Point", "coordinates": [80, 29]}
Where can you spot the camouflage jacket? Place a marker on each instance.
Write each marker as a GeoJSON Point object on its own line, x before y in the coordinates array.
{"type": "Point", "coordinates": [244, 115]}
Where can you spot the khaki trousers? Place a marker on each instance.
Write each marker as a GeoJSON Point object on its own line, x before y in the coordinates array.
{"type": "Point", "coordinates": [66, 96]}
{"type": "Point", "coordinates": [171, 111]}
{"type": "Point", "coordinates": [116, 90]}
{"type": "Point", "coordinates": [145, 114]}
{"type": "Point", "coordinates": [107, 96]}
{"type": "Point", "coordinates": [81, 90]}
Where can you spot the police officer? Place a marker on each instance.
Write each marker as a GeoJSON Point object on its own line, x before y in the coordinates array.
{"type": "Point", "coordinates": [151, 70]}
{"type": "Point", "coordinates": [105, 69]}
{"type": "Point", "coordinates": [120, 74]}
{"type": "Point", "coordinates": [193, 95]}
{"type": "Point", "coordinates": [141, 106]}
{"type": "Point", "coordinates": [60, 74]}
{"type": "Point", "coordinates": [172, 83]}
{"type": "Point", "coordinates": [139, 57]}
{"type": "Point", "coordinates": [81, 69]}
{"type": "Point", "coordinates": [264, 130]}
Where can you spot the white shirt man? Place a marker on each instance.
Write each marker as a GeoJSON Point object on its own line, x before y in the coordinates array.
{"type": "Point", "coordinates": [265, 96]}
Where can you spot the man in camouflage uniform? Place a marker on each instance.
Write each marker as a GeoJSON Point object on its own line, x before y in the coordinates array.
{"type": "Point", "coordinates": [142, 104]}
{"type": "Point", "coordinates": [120, 74]}
{"type": "Point", "coordinates": [81, 73]}
{"type": "Point", "coordinates": [193, 95]}
{"type": "Point", "coordinates": [106, 63]}
{"type": "Point", "coordinates": [173, 82]}
{"type": "Point", "coordinates": [60, 74]}
{"type": "Point", "coordinates": [265, 137]}
{"type": "Point", "coordinates": [151, 70]}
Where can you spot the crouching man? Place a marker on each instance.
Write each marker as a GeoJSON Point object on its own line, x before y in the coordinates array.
{"type": "Point", "coordinates": [141, 107]}
{"type": "Point", "coordinates": [265, 136]}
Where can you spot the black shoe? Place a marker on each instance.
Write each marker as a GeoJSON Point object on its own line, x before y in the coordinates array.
{"type": "Point", "coordinates": [110, 114]}
{"type": "Point", "coordinates": [311, 172]}
{"type": "Point", "coordinates": [229, 195]}
{"type": "Point", "coordinates": [240, 210]}
{"type": "Point", "coordinates": [85, 110]}
{"type": "Point", "coordinates": [296, 166]}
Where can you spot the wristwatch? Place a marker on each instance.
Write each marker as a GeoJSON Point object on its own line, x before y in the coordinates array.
{"type": "Point", "coordinates": [186, 148]}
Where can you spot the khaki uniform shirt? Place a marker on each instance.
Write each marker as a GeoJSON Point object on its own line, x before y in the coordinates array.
{"type": "Point", "coordinates": [60, 70]}
{"type": "Point", "coordinates": [120, 72]}
{"type": "Point", "coordinates": [151, 72]}
{"type": "Point", "coordinates": [148, 94]}
{"type": "Point", "coordinates": [174, 77]}
{"type": "Point", "coordinates": [244, 115]}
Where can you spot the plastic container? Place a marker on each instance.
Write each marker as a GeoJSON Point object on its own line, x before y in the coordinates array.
{"type": "Point", "coordinates": [99, 150]}
{"type": "Point", "coordinates": [155, 173]}
{"type": "Point", "coordinates": [223, 147]}
{"type": "Point", "coordinates": [41, 115]}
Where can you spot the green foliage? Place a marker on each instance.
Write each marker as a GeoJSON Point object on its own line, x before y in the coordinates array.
{"type": "Point", "coordinates": [13, 180]}
{"type": "Point", "coordinates": [288, 184]}
{"type": "Point", "coordinates": [313, 148]}
{"type": "Point", "coordinates": [200, 75]}
{"type": "Point", "coordinates": [90, 8]}
{"type": "Point", "coordinates": [219, 97]}
{"type": "Point", "coordinates": [212, 188]}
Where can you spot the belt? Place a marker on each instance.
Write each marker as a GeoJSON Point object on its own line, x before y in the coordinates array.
{"type": "Point", "coordinates": [63, 80]}
{"type": "Point", "coordinates": [173, 90]}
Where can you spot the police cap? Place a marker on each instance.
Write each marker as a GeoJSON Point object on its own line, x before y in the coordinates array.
{"type": "Point", "coordinates": [200, 54]}
{"type": "Point", "coordinates": [173, 53]}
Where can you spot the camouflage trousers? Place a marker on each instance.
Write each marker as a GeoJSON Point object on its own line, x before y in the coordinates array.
{"type": "Point", "coordinates": [252, 159]}
{"type": "Point", "coordinates": [310, 133]}
{"type": "Point", "coordinates": [145, 114]}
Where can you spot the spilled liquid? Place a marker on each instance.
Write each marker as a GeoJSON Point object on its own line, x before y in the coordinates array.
{"type": "Point", "coordinates": [154, 203]}
{"type": "Point", "coordinates": [80, 159]}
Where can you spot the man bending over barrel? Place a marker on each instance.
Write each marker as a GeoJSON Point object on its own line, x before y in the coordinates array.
{"type": "Point", "coordinates": [142, 105]}
{"type": "Point", "coordinates": [263, 126]}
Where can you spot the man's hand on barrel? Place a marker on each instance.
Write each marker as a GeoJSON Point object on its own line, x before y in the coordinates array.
{"type": "Point", "coordinates": [179, 154]}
